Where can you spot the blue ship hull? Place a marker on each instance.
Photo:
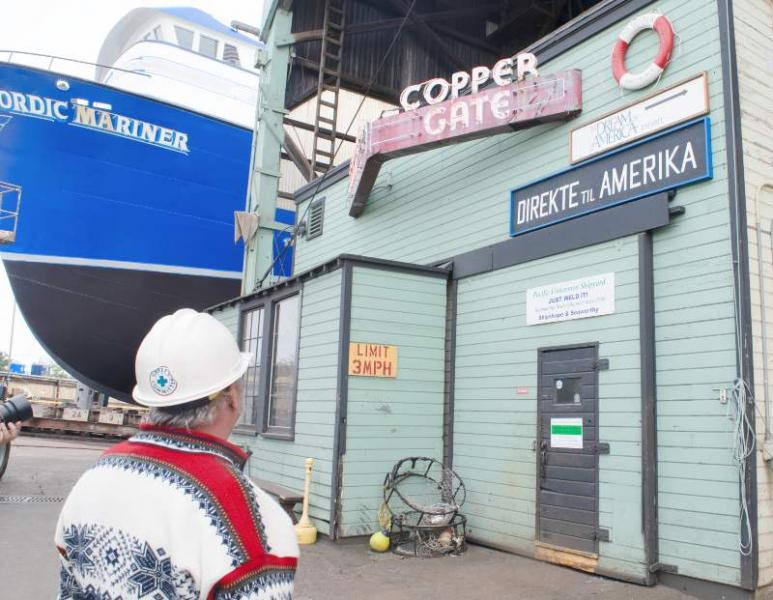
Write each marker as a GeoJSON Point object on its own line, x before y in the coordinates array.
{"type": "Point", "coordinates": [126, 214]}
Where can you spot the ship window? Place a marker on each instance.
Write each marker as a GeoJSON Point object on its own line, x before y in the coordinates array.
{"type": "Point", "coordinates": [284, 365]}
{"type": "Point", "coordinates": [208, 46]}
{"type": "Point", "coordinates": [231, 55]}
{"type": "Point", "coordinates": [184, 37]}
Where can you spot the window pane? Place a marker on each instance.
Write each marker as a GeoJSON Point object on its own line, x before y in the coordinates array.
{"type": "Point", "coordinates": [231, 55]}
{"type": "Point", "coordinates": [285, 362]}
{"type": "Point", "coordinates": [184, 37]}
{"type": "Point", "coordinates": [252, 337]}
{"type": "Point", "coordinates": [568, 390]}
{"type": "Point", "coordinates": [208, 46]}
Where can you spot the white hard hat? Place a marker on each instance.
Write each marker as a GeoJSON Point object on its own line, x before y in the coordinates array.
{"type": "Point", "coordinates": [184, 357]}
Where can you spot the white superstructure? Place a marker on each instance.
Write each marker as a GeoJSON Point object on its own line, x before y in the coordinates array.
{"type": "Point", "coordinates": [193, 60]}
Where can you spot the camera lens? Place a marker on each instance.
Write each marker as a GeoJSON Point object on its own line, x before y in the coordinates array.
{"type": "Point", "coordinates": [15, 409]}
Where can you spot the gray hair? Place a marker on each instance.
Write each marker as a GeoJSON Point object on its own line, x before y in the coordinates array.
{"type": "Point", "coordinates": [191, 415]}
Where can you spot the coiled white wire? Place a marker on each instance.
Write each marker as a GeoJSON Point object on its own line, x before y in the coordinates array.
{"type": "Point", "coordinates": [744, 442]}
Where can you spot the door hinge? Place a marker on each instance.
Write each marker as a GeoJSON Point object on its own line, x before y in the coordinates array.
{"type": "Point", "coordinates": [601, 364]}
{"type": "Point", "coordinates": [602, 535]}
{"type": "Point", "coordinates": [673, 569]}
{"type": "Point", "coordinates": [600, 448]}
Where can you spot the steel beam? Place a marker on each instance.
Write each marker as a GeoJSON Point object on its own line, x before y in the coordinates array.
{"type": "Point", "coordinates": [360, 84]}
{"type": "Point", "coordinates": [263, 187]}
{"type": "Point", "coordinates": [435, 16]}
{"type": "Point", "coordinates": [298, 157]}
{"type": "Point", "coordinates": [431, 35]}
{"type": "Point", "coordinates": [309, 127]}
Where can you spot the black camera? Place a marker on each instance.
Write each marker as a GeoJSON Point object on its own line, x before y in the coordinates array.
{"type": "Point", "coordinates": [15, 409]}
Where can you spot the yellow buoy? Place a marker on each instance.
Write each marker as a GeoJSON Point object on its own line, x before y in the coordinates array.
{"type": "Point", "coordinates": [379, 541]}
{"type": "Point", "coordinates": [304, 529]}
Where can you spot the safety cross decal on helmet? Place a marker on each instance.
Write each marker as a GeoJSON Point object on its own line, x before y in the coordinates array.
{"type": "Point", "coordinates": [162, 382]}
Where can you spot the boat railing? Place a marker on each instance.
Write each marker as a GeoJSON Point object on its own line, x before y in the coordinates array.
{"type": "Point", "coordinates": [10, 203]}
{"type": "Point", "coordinates": [48, 62]}
{"type": "Point", "coordinates": [54, 64]}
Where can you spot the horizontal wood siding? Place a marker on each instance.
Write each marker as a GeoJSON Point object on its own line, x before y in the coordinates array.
{"type": "Point", "coordinates": [495, 427]}
{"type": "Point", "coordinates": [434, 205]}
{"type": "Point", "coordinates": [442, 202]}
{"type": "Point", "coordinates": [695, 345]}
{"type": "Point", "coordinates": [282, 461]}
{"type": "Point", "coordinates": [229, 316]}
{"type": "Point", "coordinates": [389, 419]}
{"type": "Point", "coordinates": [754, 47]}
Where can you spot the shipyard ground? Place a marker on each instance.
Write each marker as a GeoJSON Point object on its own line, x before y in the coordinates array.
{"type": "Point", "coordinates": [42, 470]}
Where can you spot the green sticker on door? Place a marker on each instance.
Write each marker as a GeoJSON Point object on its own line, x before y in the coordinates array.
{"type": "Point", "coordinates": [566, 433]}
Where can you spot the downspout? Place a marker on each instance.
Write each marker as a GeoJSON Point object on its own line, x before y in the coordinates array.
{"type": "Point", "coordinates": [741, 289]}
{"type": "Point", "coordinates": [763, 306]}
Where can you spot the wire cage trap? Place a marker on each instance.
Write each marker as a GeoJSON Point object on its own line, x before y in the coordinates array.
{"type": "Point", "coordinates": [423, 498]}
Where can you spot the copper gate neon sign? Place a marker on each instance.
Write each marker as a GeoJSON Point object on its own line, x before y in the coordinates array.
{"type": "Point", "coordinates": [494, 110]}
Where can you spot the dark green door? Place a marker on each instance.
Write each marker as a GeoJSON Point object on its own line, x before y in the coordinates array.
{"type": "Point", "coordinates": [567, 462]}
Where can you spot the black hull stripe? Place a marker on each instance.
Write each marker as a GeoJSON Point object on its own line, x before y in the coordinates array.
{"type": "Point", "coordinates": [91, 320]}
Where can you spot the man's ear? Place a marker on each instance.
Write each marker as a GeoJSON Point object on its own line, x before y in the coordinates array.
{"type": "Point", "coordinates": [233, 400]}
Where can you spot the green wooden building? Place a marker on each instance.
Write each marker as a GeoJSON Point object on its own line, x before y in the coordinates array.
{"type": "Point", "coordinates": [595, 368]}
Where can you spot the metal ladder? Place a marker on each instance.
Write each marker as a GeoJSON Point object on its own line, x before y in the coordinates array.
{"type": "Point", "coordinates": [328, 86]}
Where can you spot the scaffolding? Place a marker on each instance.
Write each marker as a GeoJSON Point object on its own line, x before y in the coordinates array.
{"type": "Point", "coordinates": [10, 203]}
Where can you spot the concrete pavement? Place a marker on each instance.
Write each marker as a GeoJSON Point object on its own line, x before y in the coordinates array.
{"type": "Point", "coordinates": [336, 571]}
{"type": "Point", "coordinates": [42, 470]}
{"type": "Point", "coordinates": [40, 473]}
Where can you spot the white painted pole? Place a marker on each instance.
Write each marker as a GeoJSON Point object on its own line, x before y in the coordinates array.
{"type": "Point", "coordinates": [10, 343]}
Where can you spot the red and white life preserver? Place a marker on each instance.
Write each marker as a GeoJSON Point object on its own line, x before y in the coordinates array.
{"type": "Point", "coordinates": [636, 81]}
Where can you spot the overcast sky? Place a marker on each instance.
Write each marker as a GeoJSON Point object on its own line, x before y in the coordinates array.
{"type": "Point", "coordinates": [76, 29]}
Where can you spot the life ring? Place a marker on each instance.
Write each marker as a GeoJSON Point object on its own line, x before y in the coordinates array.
{"type": "Point", "coordinates": [636, 81]}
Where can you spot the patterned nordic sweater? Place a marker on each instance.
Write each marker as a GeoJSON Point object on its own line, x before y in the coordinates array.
{"type": "Point", "coordinates": [168, 514]}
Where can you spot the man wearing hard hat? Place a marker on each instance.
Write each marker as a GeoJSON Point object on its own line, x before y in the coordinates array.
{"type": "Point", "coordinates": [168, 513]}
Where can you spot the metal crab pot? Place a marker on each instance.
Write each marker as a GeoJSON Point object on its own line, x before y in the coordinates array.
{"type": "Point", "coordinates": [418, 534]}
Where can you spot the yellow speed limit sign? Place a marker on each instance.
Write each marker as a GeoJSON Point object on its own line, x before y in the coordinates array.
{"type": "Point", "coordinates": [372, 360]}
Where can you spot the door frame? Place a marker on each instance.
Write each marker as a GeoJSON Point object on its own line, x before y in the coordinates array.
{"type": "Point", "coordinates": [540, 351]}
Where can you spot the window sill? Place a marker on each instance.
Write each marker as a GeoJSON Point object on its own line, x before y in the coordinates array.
{"type": "Point", "coordinates": [288, 436]}
{"type": "Point", "coordinates": [246, 430]}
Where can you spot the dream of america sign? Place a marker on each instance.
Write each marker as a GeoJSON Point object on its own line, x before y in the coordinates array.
{"type": "Point", "coordinates": [674, 158]}
{"type": "Point", "coordinates": [668, 108]}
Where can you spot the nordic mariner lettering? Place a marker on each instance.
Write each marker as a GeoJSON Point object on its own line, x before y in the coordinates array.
{"type": "Point", "coordinates": [93, 118]}
{"type": "Point", "coordinates": [80, 114]}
